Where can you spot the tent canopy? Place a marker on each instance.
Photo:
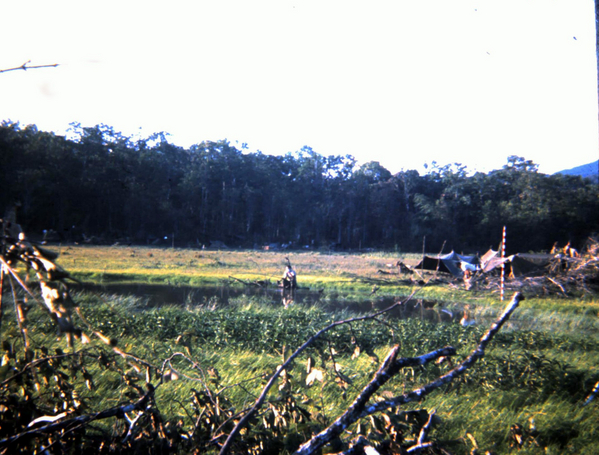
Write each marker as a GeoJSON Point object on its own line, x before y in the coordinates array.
{"type": "Point", "coordinates": [517, 264]}
{"type": "Point", "coordinates": [451, 263]}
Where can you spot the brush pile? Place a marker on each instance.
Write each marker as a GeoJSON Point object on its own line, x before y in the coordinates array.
{"type": "Point", "coordinates": [566, 275]}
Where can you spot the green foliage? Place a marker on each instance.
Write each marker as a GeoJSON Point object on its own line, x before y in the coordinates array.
{"type": "Point", "coordinates": [236, 346]}
{"type": "Point", "coordinates": [102, 187]}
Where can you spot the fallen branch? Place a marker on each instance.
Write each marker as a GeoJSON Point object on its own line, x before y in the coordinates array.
{"type": "Point", "coordinates": [391, 366]}
{"type": "Point", "coordinates": [557, 284]}
{"type": "Point", "coordinates": [357, 446]}
{"type": "Point", "coordinates": [384, 272]}
{"type": "Point", "coordinates": [419, 447]}
{"type": "Point", "coordinates": [593, 394]}
{"type": "Point", "coordinates": [248, 283]}
{"type": "Point", "coordinates": [118, 411]}
{"type": "Point", "coordinates": [260, 401]}
{"type": "Point", "coordinates": [37, 362]}
{"type": "Point", "coordinates": [426, 428]}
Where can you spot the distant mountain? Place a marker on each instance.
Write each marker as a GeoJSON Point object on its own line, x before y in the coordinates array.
{"type": "Point", "coordinates": [590, 170]}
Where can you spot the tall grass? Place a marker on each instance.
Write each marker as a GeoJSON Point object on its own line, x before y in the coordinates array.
{"type": "Point", "coordinates": [536, 374]}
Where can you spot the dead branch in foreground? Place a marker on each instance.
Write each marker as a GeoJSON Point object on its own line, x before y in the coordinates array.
{"type": "Point", "coordinates": [81, 420]}
{"type": "Point", "coordinates": [262, 398]}
{"type": "Point", "coordinates": [391, 366]}
{"type": "Point", "coordinates": [592, 395]}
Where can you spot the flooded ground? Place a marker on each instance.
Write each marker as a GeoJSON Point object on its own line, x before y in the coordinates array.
{"type": "Point", "coordinates": [157, 295]}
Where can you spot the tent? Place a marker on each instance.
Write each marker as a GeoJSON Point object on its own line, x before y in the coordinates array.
{"type": "Point", "coordinates": [491, 260]}
{"type": "Point", "coordinates": [451, 263]}
{"type": "Point", "coordinates": [519, 264]}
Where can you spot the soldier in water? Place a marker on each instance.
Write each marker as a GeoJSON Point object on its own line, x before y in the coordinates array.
{"type": "Point", "coordinates": [289, 280]}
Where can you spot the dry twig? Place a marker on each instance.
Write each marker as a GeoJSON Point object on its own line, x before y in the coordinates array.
{"type": "Point", "coordinates": [25, 66]}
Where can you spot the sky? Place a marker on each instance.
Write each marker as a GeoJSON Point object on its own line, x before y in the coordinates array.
{"type": "Point", "coordinates": [402, 82]}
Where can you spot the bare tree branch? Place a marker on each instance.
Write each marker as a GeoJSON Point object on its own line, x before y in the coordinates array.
{"type": "Point", "coordinates": [118, 411]}
{"type": "Point", "coordinates": [592, 395]}
{"type": "Point", "coordinates": [37, 362]}
{"type": "Point", "coordinates": [1, 291]}
{"type": "Point", "coordinates": [477, 354]}
{"type": "Point", "coordinates": [25, 66]}
{"type": "Point", "coordinates": [426, 428]}
{"type": "Point", "coordinates": [356, 447]}
{"type": "Point", "coordinates": [421, 444]}
{"type": "Point", "coordinates": [260, 401]}
{"type": "Point", "coordinates": [391, 366]}
{"type": "Point", "coordinates": [419, 447]}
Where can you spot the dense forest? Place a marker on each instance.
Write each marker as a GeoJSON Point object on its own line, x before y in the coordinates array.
{"type": "Point", "coordinates": [98, 185]}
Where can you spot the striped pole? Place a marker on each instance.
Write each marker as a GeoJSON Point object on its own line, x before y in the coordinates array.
{"type": "Point", "coordinates": [502, 262]}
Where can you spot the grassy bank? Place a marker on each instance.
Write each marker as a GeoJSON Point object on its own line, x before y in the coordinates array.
{"type": "Point", "coordinates": [339, 275]}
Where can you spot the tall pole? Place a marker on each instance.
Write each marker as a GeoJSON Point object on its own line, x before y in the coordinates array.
{"type": "Point", "coordinates": [502, 262]}
{"type": "Point", "coordinates": [597, 51]}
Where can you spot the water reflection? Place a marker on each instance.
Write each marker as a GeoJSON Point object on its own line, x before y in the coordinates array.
{"type": "Point", "coordinates": [157, 295]}
{"type": "Point", "coordinates": [288, 296]}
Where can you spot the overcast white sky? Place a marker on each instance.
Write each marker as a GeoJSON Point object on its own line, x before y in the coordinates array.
{"type": "Point", "coordinates": [401, 82]}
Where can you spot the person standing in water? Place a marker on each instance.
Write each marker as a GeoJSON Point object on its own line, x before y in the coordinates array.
{"type": "Point", "coordinates": [289, 278]}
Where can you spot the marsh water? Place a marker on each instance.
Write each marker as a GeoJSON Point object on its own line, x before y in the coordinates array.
{"type": "Point", "coordinates": [156, 295]}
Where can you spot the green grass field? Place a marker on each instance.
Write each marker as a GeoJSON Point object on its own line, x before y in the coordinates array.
{"type": "Point", "coordinates": [180, 266]}
{"type": "Point", "coordinates": [526, 395]}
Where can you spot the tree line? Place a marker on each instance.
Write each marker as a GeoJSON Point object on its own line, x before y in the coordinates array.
{"type": "Point", "coordinates": [100, 184]}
